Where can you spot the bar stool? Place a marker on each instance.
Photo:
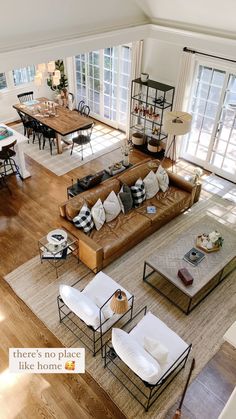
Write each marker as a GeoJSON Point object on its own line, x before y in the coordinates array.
{"type": "Point", "coordinates": [6, 155]}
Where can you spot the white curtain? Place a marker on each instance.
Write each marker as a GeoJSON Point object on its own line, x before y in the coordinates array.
{"type": "Point", "coordinates": [182, 95]}
{"type": "Point", "coordinates": [136, 68]}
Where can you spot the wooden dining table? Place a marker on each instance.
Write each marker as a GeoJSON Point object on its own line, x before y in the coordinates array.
{"type": "Point", "coordinates": [65, 121]}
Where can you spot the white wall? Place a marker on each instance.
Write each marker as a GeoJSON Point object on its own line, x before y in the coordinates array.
{"type": "Point", "coordinates": [9, 98]}
{"type": "Point", "coordinates": [161, 60]}
{"type": "Point", "coordinates": [163, 48]}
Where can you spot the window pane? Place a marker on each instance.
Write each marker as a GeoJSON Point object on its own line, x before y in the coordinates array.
{"type": "Point", "coordinates": [23, 75]}
{"type": "Point", "coordinates": [3, 82]}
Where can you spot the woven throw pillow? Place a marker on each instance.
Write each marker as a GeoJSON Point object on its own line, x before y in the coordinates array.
{"type": "Point", "coordinates": [125, 199]}
{"type": "Point", "coordinates": [98, 214]}
{"type": "Point", "coordinates": [111, 206]}
{"type": "Point", "coordinates": [163, 178]}
{"type": "Point", "coordinates": [151, 185]}
{"type": "Point", "coordinates": [84, 219]}
{"type": "Point", "coordinates": [138, 192]}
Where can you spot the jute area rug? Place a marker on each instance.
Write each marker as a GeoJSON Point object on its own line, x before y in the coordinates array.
{"type": "Point", "coordinates": [63, 163]}
{"type": "Point", "coordinates": [37, 286]}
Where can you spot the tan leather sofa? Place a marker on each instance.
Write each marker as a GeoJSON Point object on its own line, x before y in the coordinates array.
{"type": "Point", "coordinates": [100, 248]}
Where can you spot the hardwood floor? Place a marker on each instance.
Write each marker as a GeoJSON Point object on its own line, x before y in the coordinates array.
{"type": "Point", "coordinates": [25, 216]}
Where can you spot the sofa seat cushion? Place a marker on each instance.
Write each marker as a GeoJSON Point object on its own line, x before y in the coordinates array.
{"type": "Point", "coordinates": [168, 204]}
{"type": "Point", "coordinates": [120, 232]}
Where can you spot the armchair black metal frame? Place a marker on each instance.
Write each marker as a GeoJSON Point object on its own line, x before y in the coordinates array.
{"type": "Point", "coordinates": [96, 342]}
{"type": "Point", "coordinates": [146, 394]}
{"type": "Point", "coordinates": [26, 96]}
{"type": "Point", "coordinates": [83, 139]}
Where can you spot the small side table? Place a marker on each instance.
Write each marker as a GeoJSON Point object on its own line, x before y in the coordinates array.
{"type": "Point", "coordinates": [56, 254]}
{"type": "Point", "coordinates": [198, 192]}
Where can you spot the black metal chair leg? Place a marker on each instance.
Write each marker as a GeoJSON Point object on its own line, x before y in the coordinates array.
{"type": "Point", "coordinates": [72, 148]}
{"type": "Point", "coordinates": [50, 145]}
{"type": "Point", "coordinates": [91, 147]}
{"type": "Point", "coordinates": [82, 154]}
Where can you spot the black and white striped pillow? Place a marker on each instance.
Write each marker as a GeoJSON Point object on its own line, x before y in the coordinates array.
{"type": "Point", "coordinates": [138, 192]}
{"type": "Point", "coordinates": [84, 219]}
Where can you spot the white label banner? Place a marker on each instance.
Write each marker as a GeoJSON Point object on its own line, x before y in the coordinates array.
{"type": "Point", "coordinates": [47, 360]}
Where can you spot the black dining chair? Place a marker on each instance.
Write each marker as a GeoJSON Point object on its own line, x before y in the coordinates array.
{"type": "Point", "coordinates": [37, 132]}
{"type": "Point", "coordinates": [80, 106]}
{"type": "Point", "coordinates": [85, 110]}
{"type": "Point", "coordinates": [25, 97]}
{"type": "Point", "coordinates": [50, 135]}
{"type": "Point", "coordinates": [83, 138]}
{"type": "Point", "coordinates": [27, 124]}
{"type": "Point", "coordinates": [6, 155]}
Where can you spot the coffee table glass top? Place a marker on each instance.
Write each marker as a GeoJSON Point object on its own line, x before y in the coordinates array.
{"type": "Point", "coordinates": [168, 259]}
{"type": "Point", "coordinates": [57, 247]}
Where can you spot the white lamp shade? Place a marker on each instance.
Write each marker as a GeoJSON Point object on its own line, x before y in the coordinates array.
{"type": "Point", "coordinates": [42, 67]}
{"type": "Point", "coordinates": [55, 81]}
{"type": "Point", "coordinates": [57, 73]}
{"type": "Point", "coordinates": [51, 66]}
{"type": "Point", "coordinates": [177, 122]}
{"type": "Point", "coordinates": [38, 79]}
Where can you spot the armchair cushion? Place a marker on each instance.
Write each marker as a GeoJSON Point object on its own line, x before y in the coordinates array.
{"type": "Point", "coordinates": [81, 305]}
{"type": "Point", "coordinates": [135, 356]}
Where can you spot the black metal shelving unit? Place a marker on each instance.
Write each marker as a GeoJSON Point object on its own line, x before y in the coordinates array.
{"type": "Point", "coordinates": [149, 101]}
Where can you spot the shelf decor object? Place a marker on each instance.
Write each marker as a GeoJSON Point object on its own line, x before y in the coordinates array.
{"type": "Point", "coordinates": [211, 242]}
{"type": "Point", "coordinates": [149, 102]}
{"type": "Point", "coordinates": [176, 123]}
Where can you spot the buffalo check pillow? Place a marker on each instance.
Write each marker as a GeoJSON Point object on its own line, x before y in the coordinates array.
{"type": "Point", "coordinates": [138, 192]}
{"type": "Point", "coordinates": [84, 219]}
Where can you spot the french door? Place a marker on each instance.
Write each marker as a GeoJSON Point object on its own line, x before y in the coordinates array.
{"type": "Point", "coordinates": [103, 80]}
{"type": "Point", "coordinates": [212, 140]}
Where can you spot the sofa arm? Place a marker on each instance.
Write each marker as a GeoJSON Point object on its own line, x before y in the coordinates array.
{"type": "Point", "coordinates": [90, 253]}
{"type": "Point", "coordinates": [181, 183]}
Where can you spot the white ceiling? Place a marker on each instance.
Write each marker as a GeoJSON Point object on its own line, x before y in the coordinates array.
{"type": "Point", "coordinates": [35, 22]}
{"type": "Point", "coordinates": [216, 16]}
{"type": "Point", "coordinates": [38, 22]}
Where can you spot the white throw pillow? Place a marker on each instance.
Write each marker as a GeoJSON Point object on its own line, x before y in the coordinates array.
{"type": "Point", "coordinates": [81, 305]}
{"type": "Point", "coordinates": [98, 214]}
{"type": "Point", "coordinates": [106, 310]}
{"type": "Point", "coordinates": [162, 178]}
{"type": "Point", "coordinates": [156, 349]}
{"type": "Point", "coordinates": [111, 206]}
{"type": "Point", "coordinates": [151, 185]}
{"type": "Point", "coordinates": [135, 356]}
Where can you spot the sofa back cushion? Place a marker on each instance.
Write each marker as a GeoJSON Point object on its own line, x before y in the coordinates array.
{"type": "Point", "coordinates": [133, 174]}
{"type": "Point", "coordinates": [91, 196]}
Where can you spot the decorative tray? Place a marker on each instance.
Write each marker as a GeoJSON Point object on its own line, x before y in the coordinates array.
{"type": "Point", "coordinates": [200, 245]}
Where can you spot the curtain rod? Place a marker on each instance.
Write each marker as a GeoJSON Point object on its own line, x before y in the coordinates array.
{"type": "Point", "coordinates": [191, 51]}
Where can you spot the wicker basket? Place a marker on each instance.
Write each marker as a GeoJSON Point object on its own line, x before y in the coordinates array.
{"type": "Point", "coordinates": [137, 138]}
{"type": "Point", "coordinates": [154, 146]}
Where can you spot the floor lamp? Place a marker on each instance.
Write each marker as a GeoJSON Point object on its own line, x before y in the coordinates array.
{"type": "Point", "coordinates": [176, 123]}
